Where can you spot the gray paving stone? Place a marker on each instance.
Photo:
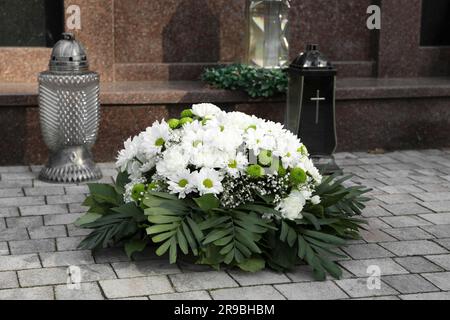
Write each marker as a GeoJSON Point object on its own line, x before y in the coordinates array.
{"type": "Point", "coordinates": [397, 189]}
{"type": "Point", "coordinates": [77, 208]}
{"type": "Point", "coordinates": [46, 232]}
{"type": "Point", "coordinates": [443, 243]}
{"type": "Point", "coordinates": [144, 268]}
{"type": "Point", "coordinates": [367, 251]}
{"type": "Point", "coordinates": [132, 298]}
{"type": "Point", "coordinates": [14, 169]}
{"type": "Point", "coordinates": [21, 201]}
{"type": "Point", "coordinates": [68, 243]}
{"type": "Point", "coordinates": [39, 293]}
{"type": "Point", "coordinates": [301, 274]}
{"type": "Point", "coordinates": [439, 231]}
{"type": "Point", "coordinates": [24, 222]}
{"type": "Point", "coordinates": [87, 291]}
{"type": "Point", "coordinates": [75, 231]}
{"type": "Point", "coordinates": [202, 281]}
{"type": "Point", "coordinates": [77, 189]}
{"type": "Point", "coordinates": [121, 288]}
{"type": "Point", "coordinates": [405, 221]}
{"type": "Point", "coordinates": [8, 280]}
{"type": "Point", "coordinates": [358, 288]}
{"type": "Point", "coordinates": [409, 283]}
{"type": "Point", "coordinates": [44, 191]}
{"type": "Point", "coordinates": [2, 223]}
{"type": "Point", "coordinates": [60, 219]}
{"type": "Point", "coordinates": [110, 255]}
{"type": "Point", "coordinates": [439, 279]}
{"type": "Point", "coordinates": [417, 264]}
{"type": "Point", "coordinates": [360, 267]}
{"type": "Point", "coordinates": [11, 192]}
{"type": "Point", "coordinates": [396, 198]}
{"type": "Point", "coordinates": [435, 187]}
{"type": "Point", "coordinates": [18, 175]}
{"type": "Point", "coordinates": [13, 234]}
{"type": "Point", "coordinates": [9, 212]}
{"type": "Point", "coordinates": [374, 236]}
{"type": "Point", "coordinates": [247, 293]}
{"type": "Point", "coordinates": [404, 209]}
{"type": "Point", "coordinates": [191, 295]}
{"type": "Point", "coordinates": [15, 184]}
{"type": "Point", "coordinates": [427, 296]}
{"type": "Point", "coordinates": [441, 260]}
{"type": "Point", "coordinates": [4, 249]}
{"type": "Point", "coordinates": [433, 196]}
{"type": "Point", "coordinates": [19, 262]}
{"type": "Point", "coordinates": [59, 275]}
{"type": "Point", "coordinates": [326, 290]}
{"type": "Point", "coordinates": [66, 258]}
{"type": "Point", "coordinates": [261, 277]}
{"type": "Point", "coordinates": [428, 179]}
{"type": "Point", "coordinates": [376, 224]}
{"type": "Point", "coordinates": [32, 246]}
{"type": "Point", "coordinates": [375, 211]}
{"type": "Point", "coordinates": [437, 206]}
{"type": "Point", "coordinates": [406, 234]}
{"type": "Point", "coordinates": [43, 210]}
{"type": "Point", "coordinates": [439, 218]}
{"type": "Point", "coordinates": [385, 298]}
{"type": "Point", "coordinates": [413, 248]}
{"type": "Point", "coordinates": [71, 198]}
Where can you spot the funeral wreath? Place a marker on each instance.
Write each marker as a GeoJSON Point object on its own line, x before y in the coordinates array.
{"type": "Point", "coordinates": [228, 189]}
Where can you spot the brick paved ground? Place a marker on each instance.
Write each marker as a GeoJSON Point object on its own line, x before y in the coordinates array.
{"type": "Point", "coordinates": [408, 239]}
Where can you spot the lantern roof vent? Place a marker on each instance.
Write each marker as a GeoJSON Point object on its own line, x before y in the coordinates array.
{"type": "Point", "coordinates": [312, 58]}
{"type": "Point", "coordinates": [68, 55]}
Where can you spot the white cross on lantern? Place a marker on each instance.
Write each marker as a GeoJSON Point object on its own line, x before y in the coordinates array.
{"type": "Point", "coordinates": [317, 99]}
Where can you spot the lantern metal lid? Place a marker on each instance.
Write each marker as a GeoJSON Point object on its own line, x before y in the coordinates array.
{"type": "Point", "coordinates": [311, 59]}
{"type": "Point", "coordinates": [68, 56]}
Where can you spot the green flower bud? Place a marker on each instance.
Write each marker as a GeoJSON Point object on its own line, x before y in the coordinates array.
{"type": "Point", "coordinates": [152, 186]}
{"type": "Point", "coordinates": [173, 123]}
{"type": "Point", "coordinates": [281, 171]}
{"type": "Point", "coordinates": [187, 113]}
{"type": "Point", "coordinates": [298, 176]}
{"type": "Point", "coordinates": [138, 191]}
{"type": "Point", "coordinates": [185, 120]}
{"type": "Point", "coordinates": [265, 158]}
{"type": "Point", "coordinates": [255, 171]}
{"type": "Point", "coordinates": [252, 126]}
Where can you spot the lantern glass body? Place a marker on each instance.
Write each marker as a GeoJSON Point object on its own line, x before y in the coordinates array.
{"type": "Point", "coordinates": [69, 109]}
{"type": "Point", "coordinates": [267, 34]}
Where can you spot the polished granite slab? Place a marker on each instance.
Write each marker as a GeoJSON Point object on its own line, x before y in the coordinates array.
{"type": "Point", "coordinates": [175, 92]}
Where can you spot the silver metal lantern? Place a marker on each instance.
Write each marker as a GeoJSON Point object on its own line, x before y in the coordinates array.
{"type": "Point", "coordinates": [69, 108]}
{"type": "Point", "coordinates": [267, 33]}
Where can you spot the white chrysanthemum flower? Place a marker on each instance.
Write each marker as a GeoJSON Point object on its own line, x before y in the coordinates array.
{"type": "Point", "coordinates": [312, 170]}
{"type": "Point", "coordinates": [182, 183]}
{"type": "Point", "coordinates": [237, 164]}
{"type": "Point", "coordinates": [126, 155]}
{"type": "Point", "coordinates": [205, 110]}
{"type": "Point", "coordinates": [173, 160]}
{"type": "Point", "coordinates": [291, 207]}
{"type": "Point", "coordinates": [315, 200]}
{"type": "Point", "coordinates": [208, 181]}
{"type": "Point", "coordinates": [155, 138]}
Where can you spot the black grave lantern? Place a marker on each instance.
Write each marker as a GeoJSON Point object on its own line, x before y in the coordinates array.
{"type": "Point", "coordinates": [311, 106]}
